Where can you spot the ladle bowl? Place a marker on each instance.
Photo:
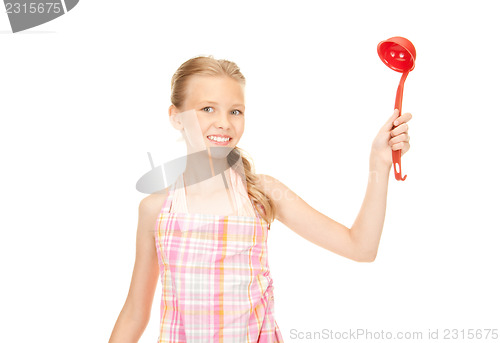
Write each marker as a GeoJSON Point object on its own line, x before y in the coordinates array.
{"type": "Point", "coordinates": [399, 54]}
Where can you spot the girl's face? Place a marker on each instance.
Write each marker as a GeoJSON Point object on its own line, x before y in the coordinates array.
{"type": "Point", "coordinates": [219, 105]}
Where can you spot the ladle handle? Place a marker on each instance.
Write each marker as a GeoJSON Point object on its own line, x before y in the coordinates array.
{"type": "Point", "coordinates": [396, 154]}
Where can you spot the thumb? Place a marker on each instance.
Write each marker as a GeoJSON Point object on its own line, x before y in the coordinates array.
{"type": "Point", "coordinates": [390, 123]}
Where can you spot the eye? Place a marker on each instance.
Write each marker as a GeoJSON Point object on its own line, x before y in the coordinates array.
{"type": "Point", "coordinates": [237, 111]}
{"type": "Point", "coordinates": [203, 109]}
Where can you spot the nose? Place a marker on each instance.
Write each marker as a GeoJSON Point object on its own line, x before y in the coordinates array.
{"type": "Point", "coordinates": [222, 121]}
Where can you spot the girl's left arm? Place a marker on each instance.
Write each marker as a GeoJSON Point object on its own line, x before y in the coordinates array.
{"type": "Point", "coordinates": [360, 243]}
{"type": "Point", "coordinates": [367, 228]}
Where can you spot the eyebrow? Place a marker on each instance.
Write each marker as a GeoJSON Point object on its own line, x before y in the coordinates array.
{"type": "Point", "coordinates": [212, 102]}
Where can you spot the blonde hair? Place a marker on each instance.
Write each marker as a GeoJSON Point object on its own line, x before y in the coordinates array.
{"type": "Point", "coordinates": [208, 65]}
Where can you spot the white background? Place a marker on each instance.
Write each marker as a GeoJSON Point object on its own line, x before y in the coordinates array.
{"type": "Point", "coordinates": [84, 98]}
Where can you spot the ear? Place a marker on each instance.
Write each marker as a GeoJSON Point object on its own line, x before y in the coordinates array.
{"type": "Point", "coordinates": [174, 119]}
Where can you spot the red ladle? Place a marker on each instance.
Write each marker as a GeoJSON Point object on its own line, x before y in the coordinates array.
{"type": "Point", "coordinates": [399, 54]}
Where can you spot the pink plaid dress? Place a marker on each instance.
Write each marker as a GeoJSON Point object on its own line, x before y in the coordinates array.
{"type": "Point", "coordinates": [216, 282]}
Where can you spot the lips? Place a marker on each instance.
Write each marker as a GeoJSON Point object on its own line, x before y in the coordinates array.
{"type": "Point", "coordinates": [219, 136]}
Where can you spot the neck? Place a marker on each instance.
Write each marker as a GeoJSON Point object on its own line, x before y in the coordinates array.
{"type": "Point", "coordinates": [205, 168]}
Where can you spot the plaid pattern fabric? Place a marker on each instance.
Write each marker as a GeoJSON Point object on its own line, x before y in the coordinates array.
{"type": "Point", "coordinates": [216, 282]}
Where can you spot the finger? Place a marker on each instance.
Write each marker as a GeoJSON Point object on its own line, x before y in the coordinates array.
{"type": "Point", "coordinates": [389, 124]}
{"type": "Point", "coordinates": [398, 139]}
{"type": "Point", "coordinates": [399, 146]}
{"type": "Point", "coordinates": [403, 119]}
{"type": "Point", "coordinates": [405, 149]}
{"type": "Point", "coordinates": [401, 128]}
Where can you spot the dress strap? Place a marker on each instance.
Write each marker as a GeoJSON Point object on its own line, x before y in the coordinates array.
{"type": "Point", "coordinates": [167, 204]}
{"type": "Point", "coordinates": [242, 200]}
{"type": "Point", "coordinates": [240, 193]}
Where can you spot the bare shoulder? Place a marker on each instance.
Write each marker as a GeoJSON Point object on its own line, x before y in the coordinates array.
{"type": "Point", "coordinates": [276, 191]}
{"type": "Point", "coordinates": [150, 206]}
{"type": "Point", "coordinates": [267, 183]}
{"type": "Point", "coordinates": [273, 187]}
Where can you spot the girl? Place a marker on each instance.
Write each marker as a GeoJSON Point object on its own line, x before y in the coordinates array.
{"type": "Point", "coordinates": [206, 233]}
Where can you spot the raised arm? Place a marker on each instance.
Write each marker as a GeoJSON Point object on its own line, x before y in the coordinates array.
{"type": "Point", "coordinates": [360, 243]}
{"type": "Point", "coordinates": [134, 316]}
{"type": "Point", "coordinates": [309, 223]}
{"type": "Point", "coordinates": [367, 228]}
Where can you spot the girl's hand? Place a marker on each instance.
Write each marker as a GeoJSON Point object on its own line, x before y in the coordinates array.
{"type": "Point", "coordinates": [389, 139]}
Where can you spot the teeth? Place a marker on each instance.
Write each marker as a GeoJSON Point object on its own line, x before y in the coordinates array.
{"type": "Point", "coordinates": [218, 139]}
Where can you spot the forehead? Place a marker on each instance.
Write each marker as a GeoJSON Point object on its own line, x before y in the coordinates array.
{"type": "Point", "coordinates": [214, 88]}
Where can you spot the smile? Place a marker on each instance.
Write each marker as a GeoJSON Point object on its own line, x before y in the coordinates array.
{"type": "Point", "coordinates": [219, 140]}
